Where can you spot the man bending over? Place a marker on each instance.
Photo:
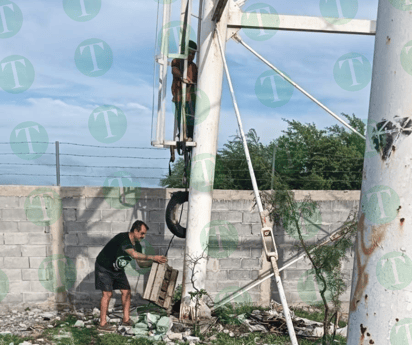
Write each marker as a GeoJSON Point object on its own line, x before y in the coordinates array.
{"type": "Point", "coordinates": [110, 265]}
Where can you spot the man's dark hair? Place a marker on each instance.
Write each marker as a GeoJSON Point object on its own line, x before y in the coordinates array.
{"type": "Point", "coordinates": [137, 225]}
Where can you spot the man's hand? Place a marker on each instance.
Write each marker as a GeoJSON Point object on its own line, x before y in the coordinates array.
{"type": "Point", "coordinates": [160, 259]}
{"type": "Point", "coordinates": [187, 81]}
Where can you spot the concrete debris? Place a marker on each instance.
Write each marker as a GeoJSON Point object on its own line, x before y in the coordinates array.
{"type": "Point", "coordinates": [152, 326]}
{"type": "Point", "coordinates": [175, 336]}
{"type": "Point", "coordinates": [342, 331]}
{"type": "Point", "coordinates": [191, 339]}
{"type": "Point", "coordinates": [254, 326]}
{"type": "Point", "coordinates": [79, 323]}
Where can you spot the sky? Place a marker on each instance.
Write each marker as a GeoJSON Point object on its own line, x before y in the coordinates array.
{"type": "Point", "coordinates": [70, 67]}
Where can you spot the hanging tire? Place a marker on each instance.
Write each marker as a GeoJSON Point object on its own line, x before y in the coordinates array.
{"type": "Point", "coordinates": [177, 200]}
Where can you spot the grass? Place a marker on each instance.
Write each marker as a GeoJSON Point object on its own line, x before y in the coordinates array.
{"type": "Point", "coordinates": [269, 339]}
{"type": "Point", "coordinates": [6, 339]}
{"type": "Point", "coordinates": [226, 314]}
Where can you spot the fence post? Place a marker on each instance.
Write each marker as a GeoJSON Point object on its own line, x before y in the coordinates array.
{"type": "Point", "coordinates": [57, 163]}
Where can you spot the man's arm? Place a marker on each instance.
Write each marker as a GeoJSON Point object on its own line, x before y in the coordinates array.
{"type": "Point", "coordinates": [175, 69]}
{"type": "Point", "coordinates": [139, 256]}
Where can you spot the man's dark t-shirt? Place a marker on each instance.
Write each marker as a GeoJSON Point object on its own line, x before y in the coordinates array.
{"type": "Point", "coordinates": [113, 255]}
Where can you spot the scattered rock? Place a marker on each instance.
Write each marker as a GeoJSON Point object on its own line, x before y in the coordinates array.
{"type": "Point", "coordinates": [79, 323]}
{"type": "Point", "coordinates": [175, 336]}
{"type": "Point", "coordinates": [47, 316]}
{"type": "Point", "coordinates": [231, 334]}
{"type": "Point", "coordinates": [219, 328]}
{"type": "Point", "coordinates": [342, 331]}
{"type": "Point", "coordinates": [191, 339]}
{"type": "Point", "coordinates": [213, 337]}
{"type": "Point", "coordinates": [226, 331]}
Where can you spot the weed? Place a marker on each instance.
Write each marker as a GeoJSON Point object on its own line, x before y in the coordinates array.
{"type": "Point", "coordinates": [177, 296]}
{"type": "Point", "coordinates": [6, 339]}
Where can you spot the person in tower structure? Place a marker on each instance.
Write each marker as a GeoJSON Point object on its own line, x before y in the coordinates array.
{"type": "Point", "coordinates": [110, 265]}
{"type": "Point", "coordinates": [191, 81]}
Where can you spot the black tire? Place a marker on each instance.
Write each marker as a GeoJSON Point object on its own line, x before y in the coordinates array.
{"type": "Point", "coordinates": [178, 199]}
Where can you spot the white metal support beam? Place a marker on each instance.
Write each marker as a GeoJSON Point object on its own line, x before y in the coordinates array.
{"type": "Point", "coordinates": [273, 255]}
{"type": "Point", "coordinates": [203, 155]}
{"type": "Point", "coordinates": [381, 296]}
{"type": "Point", "coordinates": [221, 5]}
{"type": "Point", "coordinates": [301, 23]}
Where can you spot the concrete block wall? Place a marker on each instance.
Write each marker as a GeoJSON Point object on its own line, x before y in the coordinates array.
{"type": "Point", "coordinates": [89, 221]}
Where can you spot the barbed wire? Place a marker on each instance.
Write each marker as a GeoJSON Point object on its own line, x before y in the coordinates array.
{"type": "Point", "coordinates": [25, 153]}
{"type": "Point", "coordinates": [26, 142]}
{"type": "Point", "coordinates": [111, 147]}
{"type": "Point", "coordinates": [94, 156]}
{"type": "Point", "coordinates": [170, 178]}
{"type": "Point", "coordinates": [160, 168]}
{"type": "Point", "coordinates": [16, 174]}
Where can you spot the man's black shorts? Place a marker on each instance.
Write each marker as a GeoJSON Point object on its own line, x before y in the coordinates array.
{"type": "Point", "coordinates": [108, 280]}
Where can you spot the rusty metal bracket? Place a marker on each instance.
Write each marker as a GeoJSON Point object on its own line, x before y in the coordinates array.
{"type": "Point", "coordinates": [269, 243]}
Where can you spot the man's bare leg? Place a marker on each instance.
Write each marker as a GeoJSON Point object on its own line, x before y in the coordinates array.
{"type": "Point", "coordinates": [126, 300]}
{"type": "Point", "coordinates": [104, 306]}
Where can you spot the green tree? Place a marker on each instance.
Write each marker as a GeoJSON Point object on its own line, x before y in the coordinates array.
{"type": "Point", "coordinates": [307, 158]}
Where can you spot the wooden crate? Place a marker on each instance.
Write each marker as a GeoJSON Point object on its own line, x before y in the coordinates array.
{"type": "Point", "coordinates": [161, 285]}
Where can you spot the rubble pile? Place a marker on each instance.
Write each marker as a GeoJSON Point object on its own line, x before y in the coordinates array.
{"type": "Point", "coordinates": [151, 325]}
